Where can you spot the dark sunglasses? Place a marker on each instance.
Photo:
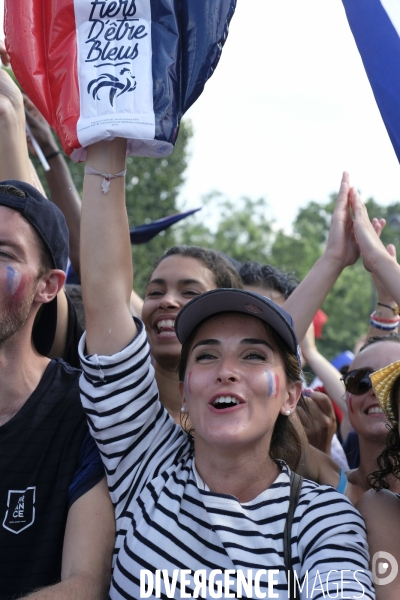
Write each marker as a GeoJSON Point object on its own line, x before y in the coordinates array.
{"type": "Point", "coordinates": [357, 382]}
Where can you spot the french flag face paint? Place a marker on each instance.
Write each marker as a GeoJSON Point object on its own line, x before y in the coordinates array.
{"type": "Point", "coordinates": [100, 69]}
{"type": "Point", "coordinates": [13, 280]}
{"type": "Point", "coordinates": [272, 384]}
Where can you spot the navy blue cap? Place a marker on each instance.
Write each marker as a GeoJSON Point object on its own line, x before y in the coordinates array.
{"type": "Point", "coordinates": [44, 216]}
{"type": "Point", "coordinates": [223, 300]}
{"type": "Point", "coordinates": [49, 222]}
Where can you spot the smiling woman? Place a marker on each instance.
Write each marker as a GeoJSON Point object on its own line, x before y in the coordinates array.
{"type": "Point", "coordinates": [217, 503]}
{"type": "Point", "coordinates": [382, 511]}
{"type": "Point", "coordinates": [266, 357]}
{"type": "Point", "coordinates": [213, 503]}
{"type": "Point", "coordinates": [365, 414]}
{"type": "Point", "coordinates": [182, 273]}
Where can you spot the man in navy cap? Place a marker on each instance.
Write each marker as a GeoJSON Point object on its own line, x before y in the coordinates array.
{"type": "Point", "coordinates": [56, 520]}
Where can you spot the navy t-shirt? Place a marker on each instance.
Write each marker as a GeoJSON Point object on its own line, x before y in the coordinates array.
{"type": "Point", "coordinates": [47, 461]}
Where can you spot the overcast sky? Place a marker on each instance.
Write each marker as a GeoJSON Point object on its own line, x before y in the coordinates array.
{"type": "Point", "coordinates": [288, 109]}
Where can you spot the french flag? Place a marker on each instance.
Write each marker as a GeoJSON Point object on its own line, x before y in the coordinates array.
{"type": "Point", "coordinates": [99, 69]}
{"type": "Point", "coordinates": [375, 25]}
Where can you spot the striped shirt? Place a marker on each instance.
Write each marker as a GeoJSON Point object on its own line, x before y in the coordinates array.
{"type": "Point", "coordinates": [168, 519]}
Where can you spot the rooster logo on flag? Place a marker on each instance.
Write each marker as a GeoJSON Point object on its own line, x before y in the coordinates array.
{"type": "Point", "coordinates": [110, 81]}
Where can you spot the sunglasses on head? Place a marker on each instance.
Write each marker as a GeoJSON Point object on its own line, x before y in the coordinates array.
{"type": "Point", "coordinates": [357, 382]}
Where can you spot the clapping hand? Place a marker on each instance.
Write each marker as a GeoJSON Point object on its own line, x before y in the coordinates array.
{"type": "Point", "coordinates": [342, 245]}
{"type": "Point", "coordinates": [367, 234]}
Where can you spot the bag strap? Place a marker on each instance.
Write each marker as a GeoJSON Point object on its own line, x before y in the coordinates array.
{"type": "Point", "coordinates": [296, 481]}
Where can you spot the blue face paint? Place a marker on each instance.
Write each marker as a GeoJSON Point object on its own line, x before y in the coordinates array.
{"type": "Point", "coordinates": [272, 383]}
{"type": "Point", "coordinates": [13, 280]}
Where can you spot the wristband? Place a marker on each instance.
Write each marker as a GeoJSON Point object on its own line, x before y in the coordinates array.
{"type": "Point", "coordinates": [384, 327]}
{"type": "Point", "coordinates": [52, 154]}
{"type": "Point", "coordinates": [380, 320]}
{"type": "Point", "coordinates": [395, 308]}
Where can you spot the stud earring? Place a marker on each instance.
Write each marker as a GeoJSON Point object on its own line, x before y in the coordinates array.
{"type": "Point", "coordinates": [182, 409]}
{"type": "Point", "coordinates": [287, 413]}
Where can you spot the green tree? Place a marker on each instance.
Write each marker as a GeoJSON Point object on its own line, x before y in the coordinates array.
{"type": "Point", "coordinates": [243, 229]}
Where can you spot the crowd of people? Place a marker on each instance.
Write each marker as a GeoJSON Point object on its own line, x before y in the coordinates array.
{"type": "Point", "coordinates": [174, 448]}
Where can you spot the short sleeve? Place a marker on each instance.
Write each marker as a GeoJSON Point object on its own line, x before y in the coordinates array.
{"type": "Point", "coordinates": [89, 471]}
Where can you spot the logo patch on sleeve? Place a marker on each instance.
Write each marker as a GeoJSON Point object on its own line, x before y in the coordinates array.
{"type": "Point", "coordinates": [20, 512]}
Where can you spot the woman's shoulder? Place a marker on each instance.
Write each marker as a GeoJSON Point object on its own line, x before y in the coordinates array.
{"type": "Point", "coordinates": [319, 503]}
{"type": "Point", "coordinates": [314, 496]}
{"type": "Point", "coordinates": [134, 357]}
{"type": "Point", "coordinates": [311, 491]}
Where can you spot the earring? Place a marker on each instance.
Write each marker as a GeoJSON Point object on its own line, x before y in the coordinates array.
{"type": "Point", "coordinates": [287, 413]}
{"type": "Point", "coordinates": [183, 409]}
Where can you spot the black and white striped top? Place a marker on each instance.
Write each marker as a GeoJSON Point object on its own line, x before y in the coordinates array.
{"type": "Point", "coordinates": [168, 519]}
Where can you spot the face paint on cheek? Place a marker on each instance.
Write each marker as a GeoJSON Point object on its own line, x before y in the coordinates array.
{"type": "Point", "coordinates": [272, 383]}
{"type": "Point", "coordinates": [13, 280]}
{"type": "Point", "coordinates": [351, 403]}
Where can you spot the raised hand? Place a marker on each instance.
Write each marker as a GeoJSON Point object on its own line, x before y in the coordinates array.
{"type": "Point", "coordinates": [367, 233]}
{"type": "Point", "coordinates": [14, 159]}
{"type": "Point", "coordinates": [341, 250]}
{"type": "Point", "coordinates": [320, 421]}
{"type": "Point", "coordinates": [377, 259]}
{"type": "Point", "coordinates": [10, 95]}
{"type": "Point", "coordinates": [342, 245]}
{"type": "Point", "coordinates": [4, 56]}
{"type": "Point", "coordinates": [40, 129]}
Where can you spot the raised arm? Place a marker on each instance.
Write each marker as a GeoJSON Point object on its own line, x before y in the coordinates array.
{"type": "Point", "coordinates": [14, 158]}
{"type": "Point", "coordinates": [106, 259]}
{"type": "Point", "coordinates": [376, 258]}
{"type": "Point", "coordinates": [61, 185]}
{"type": "Point", "coordinates": [328, 374]}
{"type": "Point", "coordinates": [386, 309]}
{"type": "Point", "coordinates": [341, 251]}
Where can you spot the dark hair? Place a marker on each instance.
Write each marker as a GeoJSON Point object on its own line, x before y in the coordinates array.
{"type": "Point", "coordinates": [225, 275]}
{"type": "Point", "coordinates": [389, 460]}
{"type": "Point", "coordinates": [45, 260]}
{"type": "Point", "coordinates": [12, 191]}
{"type": "Point", "coordinates": [269, 277]}
{"type": "Point", "coordinates": [285, 442]}
{"type": "Point", "coordinates": [390, 337]}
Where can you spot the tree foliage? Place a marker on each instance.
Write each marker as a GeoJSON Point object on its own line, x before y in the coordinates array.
{"type": "Point", "coordinates": [245, 230]}
{"type": "Point", "coordinates": [242, 229]}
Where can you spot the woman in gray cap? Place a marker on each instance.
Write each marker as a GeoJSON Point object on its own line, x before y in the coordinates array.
{"type": "Point", "coordinates": [204, 515]}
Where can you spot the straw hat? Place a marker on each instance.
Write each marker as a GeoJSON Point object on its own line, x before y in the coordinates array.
{"type": "Point", "coordinates": [383, 382]}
